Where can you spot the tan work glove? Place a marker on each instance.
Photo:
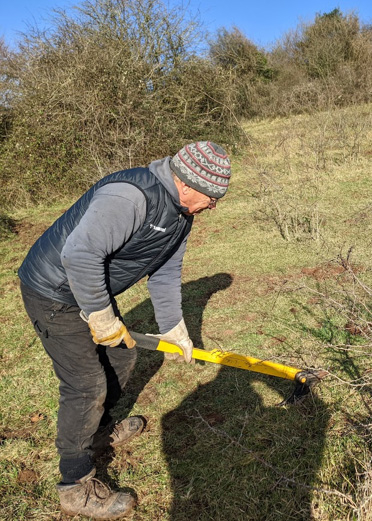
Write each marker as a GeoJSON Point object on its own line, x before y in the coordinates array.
{"type": "Point", "coordinates": [179, 336]}
{"type": "Point", "coordinates": [107, 329]}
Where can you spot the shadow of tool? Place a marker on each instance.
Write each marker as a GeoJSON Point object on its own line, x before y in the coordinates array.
{"type": "Point", "coordinates": [233, 454]}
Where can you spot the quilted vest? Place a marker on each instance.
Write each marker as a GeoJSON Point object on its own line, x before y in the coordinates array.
{"type": "Point", "coordinates": [152, 245]}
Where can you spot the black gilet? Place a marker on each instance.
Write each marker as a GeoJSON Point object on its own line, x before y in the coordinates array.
{"type": "Point", "coordinates": [152, 245]}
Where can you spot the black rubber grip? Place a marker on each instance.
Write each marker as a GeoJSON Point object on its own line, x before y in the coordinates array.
{"type": "Point", "coordinates": [145, 341]}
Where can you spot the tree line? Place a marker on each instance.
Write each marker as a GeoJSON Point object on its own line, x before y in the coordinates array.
{"type": "Point", "coordinates": [119, 83]}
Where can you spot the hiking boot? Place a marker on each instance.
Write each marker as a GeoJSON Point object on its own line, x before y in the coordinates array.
{"type": "Point", "coordinates": [92, 498]}
{"type": "Point", "coordinates": [115, 434]}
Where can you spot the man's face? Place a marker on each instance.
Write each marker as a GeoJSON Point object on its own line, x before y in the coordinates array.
{"type": "Point", "coordinates": [196, 202]}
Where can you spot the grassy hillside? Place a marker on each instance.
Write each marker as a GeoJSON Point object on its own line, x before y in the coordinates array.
{"type": "Point", "coordinates": [282, 271]}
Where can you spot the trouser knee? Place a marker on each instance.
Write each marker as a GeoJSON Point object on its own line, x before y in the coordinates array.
{"type": "Point", "coordinates": [118, 365]}
{"type": "Point", "coordinates": [122, 362]}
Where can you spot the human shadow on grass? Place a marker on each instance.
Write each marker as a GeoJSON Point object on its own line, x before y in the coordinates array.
{"type": "Point", "coordinates": [141, 319]}
{"type": "Point", "coordinates": [232, 455]}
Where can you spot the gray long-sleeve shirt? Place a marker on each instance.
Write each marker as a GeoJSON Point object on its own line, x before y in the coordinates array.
{"type": "Point", "coordinates": [115, 213]}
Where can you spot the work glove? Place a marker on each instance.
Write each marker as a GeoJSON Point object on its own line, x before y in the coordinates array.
{"type": "Point", "coordinates": [179, 336]}
{"type": "Point", "coordinates": [107, 329]}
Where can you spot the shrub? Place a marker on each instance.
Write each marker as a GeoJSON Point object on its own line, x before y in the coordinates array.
{"type": "Point", "coordinates": [322, 64]}
{"type": "Point", "coordinates": [327, 43]}
{"type": "Point", "coordinates": [113, 87]}
{"type": "Point", "coordinates": [245, 65]}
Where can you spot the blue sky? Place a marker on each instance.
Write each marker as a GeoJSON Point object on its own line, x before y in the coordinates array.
{"type": "Point", "coordinates": [262, 22]}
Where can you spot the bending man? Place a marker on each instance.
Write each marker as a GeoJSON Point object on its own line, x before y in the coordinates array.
{"type": "Point", "coordinates": [130, 224]}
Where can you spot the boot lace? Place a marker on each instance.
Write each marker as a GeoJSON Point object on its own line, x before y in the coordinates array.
{"type": "Point", "coordinates": [94, 487]}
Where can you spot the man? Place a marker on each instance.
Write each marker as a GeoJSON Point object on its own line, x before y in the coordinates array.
{"type": "Point", "coordinates": [130, 224]}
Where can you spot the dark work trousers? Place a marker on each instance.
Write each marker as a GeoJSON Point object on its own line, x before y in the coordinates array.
{"type": "Point", "coordinates": [91, 377]}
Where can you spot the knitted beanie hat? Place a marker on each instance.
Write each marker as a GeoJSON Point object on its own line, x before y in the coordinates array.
{"type": "Point", "coordinates": [204, 166]}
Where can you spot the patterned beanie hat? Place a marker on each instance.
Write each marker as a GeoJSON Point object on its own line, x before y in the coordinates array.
{"type": "Point", "coordinates": [204, 166]}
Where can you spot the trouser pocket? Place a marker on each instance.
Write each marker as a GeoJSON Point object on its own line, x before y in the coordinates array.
{"type": "Point", "coordinates": [40, 330]}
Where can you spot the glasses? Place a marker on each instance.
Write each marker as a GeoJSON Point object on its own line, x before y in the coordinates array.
{"type": "Point", "coordinates": [212, 203]}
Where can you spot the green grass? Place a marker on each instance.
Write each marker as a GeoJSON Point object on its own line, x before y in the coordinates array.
{"type": "Point", "coordinates": [216, 447]}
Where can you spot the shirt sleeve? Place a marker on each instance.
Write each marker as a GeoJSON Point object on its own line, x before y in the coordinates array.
{"type": "Point", "coordinates": [116, 212]}
{"type": "Point", "coordinates": [164, 286]}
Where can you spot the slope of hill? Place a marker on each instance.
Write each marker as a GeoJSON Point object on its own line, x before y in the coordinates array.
{"type": "Point", "coordinates": [282, 271]}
